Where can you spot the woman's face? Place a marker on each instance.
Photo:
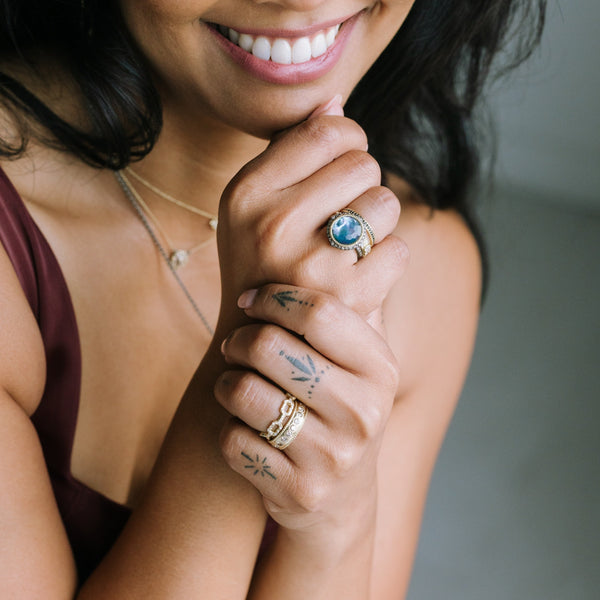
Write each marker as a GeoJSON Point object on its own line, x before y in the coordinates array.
{"type": "Point", "coordinates": [257, 65]}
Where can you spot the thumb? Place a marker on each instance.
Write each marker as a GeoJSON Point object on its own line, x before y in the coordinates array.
{"type": "Point", "coordinates": [332, 107]}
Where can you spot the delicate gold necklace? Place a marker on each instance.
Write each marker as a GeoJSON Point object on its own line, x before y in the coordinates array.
{"type": "Point", "coordinates": [130, 194]}
{"type": "Point", "coordinates": [213, 220]}
{"type": "Point", "coordinates": [178, 257]}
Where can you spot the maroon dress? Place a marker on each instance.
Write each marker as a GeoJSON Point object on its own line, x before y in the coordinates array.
{"type": "Point", "coordinates": [92, 521]}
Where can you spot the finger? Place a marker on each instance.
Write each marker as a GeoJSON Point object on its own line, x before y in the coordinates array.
{"type": "Point", "coordinates": [380, 207]}
{"type": "Point", "coordinates": [266, 409]}
{"type": "Point", "coordinates": [329, 327]}
{"type": "Point", "coordinates": [284, 359]}
{"type": "Point", "coordinates": [338, 399]}
{"type": "Point", "coordinates": [250, 397]}
{"type": "Point", "coordinates": [300, 152]}
{"type": "Point", "coordinates": [269, 470]}
{"type": "Point", "coordinates": [351, 181]}
{"type": "Point", "coordinates": [337, 184]}
{"type": "Point", "coordinates": [382, 268]}
{"type": "Point", "coordinates": [302, 211]}
{"type": "Point", "coordinates": [332, 107]}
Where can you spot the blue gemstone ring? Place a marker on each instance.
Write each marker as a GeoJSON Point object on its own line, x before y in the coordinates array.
{"type": "Point", "coordinates": [348, 230]}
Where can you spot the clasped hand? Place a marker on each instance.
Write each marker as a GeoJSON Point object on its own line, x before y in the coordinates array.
{"type": "Point", "coordinates": [315, 328]}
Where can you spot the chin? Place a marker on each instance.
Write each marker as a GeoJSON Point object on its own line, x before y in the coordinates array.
{"type": "Point", "coordinates": [266, 126]}
{"type": "Point", "coordinates": [261, 122]}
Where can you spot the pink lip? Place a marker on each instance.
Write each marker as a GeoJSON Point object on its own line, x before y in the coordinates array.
{"type": "Point", "coordinates": [289, 74]}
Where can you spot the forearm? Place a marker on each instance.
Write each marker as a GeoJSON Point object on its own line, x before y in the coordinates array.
{"type": "Point", "coordinates": [325, 562]}
{"type": "Point", "coordinates": [318, 565]}
{"type": "Point", "coordinates": [179, 540]}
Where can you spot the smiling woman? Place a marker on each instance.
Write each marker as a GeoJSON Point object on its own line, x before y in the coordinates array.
{"type": "Point", "coordinates": [184, 415]}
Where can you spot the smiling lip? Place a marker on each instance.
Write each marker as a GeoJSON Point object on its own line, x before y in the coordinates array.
{"type": "Point", "coordinates": [288, 74]}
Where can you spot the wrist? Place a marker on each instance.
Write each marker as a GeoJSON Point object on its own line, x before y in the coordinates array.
{"type": "Point", "coordinates": [334, 563]}
{"type": "Point", "coordinates": [330, 541]}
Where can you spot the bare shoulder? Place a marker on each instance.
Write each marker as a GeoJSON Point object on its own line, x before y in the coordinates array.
{"type": "Point", "coordinates": [22, 357]}
{"type": "Point", "coordinates": [22, 360]}
{"type": "Point", "coordinates": [431, 320]}
{"type": "Point", "coordinates": [431, 314]}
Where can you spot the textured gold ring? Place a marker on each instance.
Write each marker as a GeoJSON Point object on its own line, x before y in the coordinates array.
{"type": "Point", "coordinates": [292, 428]}
{"type": "Point", "coordinates": [285, 412]}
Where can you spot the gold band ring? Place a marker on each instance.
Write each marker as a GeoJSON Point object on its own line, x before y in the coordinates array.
{"type": "Point", "coordinates": [292, 428]}
{"type": "Point", "coordinates": [285, 412]}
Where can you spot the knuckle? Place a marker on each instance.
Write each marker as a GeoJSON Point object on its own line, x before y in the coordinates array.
{"type": "Point", "coordinates": [366, 420]}
{"type": "Point", "coordinates": [271, 231]}
{"type": "Point", "coordinates": [309, 494]}
{"type": "Point", "coordinates": [231, 440]}
{"type": "Point", "coordinates": [307, 271]}
{"type": "Point", "coordinates": [262, 341]}
{"type": "Point", "coordinates": [320, 131]}
{"type": "Point", "coordinates": [398, 252]}
{"type": "Point", "coordinates": [362, 165]}
{"type": "Point", "coordinates": [343, 458]}
{"type": "Point", "coordinates": [247, 188]}
{"type": "Point", "coordinates": [246, 389]}
{"type": "Point", "coordinates": [392, 259]}
{"type": "Point", "coordinates": [384, 201]}
{"type": "Point", "coordinates": [241, 188]}
{"type": "Point", "coordinates": [325, 310]}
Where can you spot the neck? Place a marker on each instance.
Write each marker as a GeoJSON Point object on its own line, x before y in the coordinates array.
{"type": "Point", "coordinates": [194, 162]}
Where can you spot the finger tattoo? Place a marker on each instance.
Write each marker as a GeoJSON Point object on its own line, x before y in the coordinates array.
{"type": "Point", "coordinates": [259, 466]}
{"type": "Point", "coordinates": [286, 298]}
{"type": "Point", "coordinates": [305, 370]}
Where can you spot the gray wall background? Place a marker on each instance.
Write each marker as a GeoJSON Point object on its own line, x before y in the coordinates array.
{"type": "Point", "coordinates": [514, 507]}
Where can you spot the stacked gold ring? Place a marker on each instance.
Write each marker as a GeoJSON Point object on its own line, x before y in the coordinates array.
{"type": "Point", "coordinates": [283, 431]}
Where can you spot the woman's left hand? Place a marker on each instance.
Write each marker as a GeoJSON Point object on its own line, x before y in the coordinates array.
{"type": "Point", "coordinates": [313, 346]}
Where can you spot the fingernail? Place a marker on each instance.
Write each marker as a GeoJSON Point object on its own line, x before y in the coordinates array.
{"type": "Point", "coordinates": [333, 107]}
{"type": "Point", "coordinates": [246, 300]}
{"type": "Point", "coordinates": [225, 342]}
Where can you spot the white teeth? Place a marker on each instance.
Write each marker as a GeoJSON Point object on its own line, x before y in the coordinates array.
{"type": "Point", "coordinates": [330, 35]}
{"type": "Point", "coordinates": [234, 36]}
{"type": "Point", "coordinates": [318, 45]}
{"type": "Point", "coordinates": [246, 42]}
{"type": "Point", "coordinates": [262, 48]}
{"type": "Point", "coordinates": [301, 51]}
{"type": "Point", "coordinates": [280, 50]}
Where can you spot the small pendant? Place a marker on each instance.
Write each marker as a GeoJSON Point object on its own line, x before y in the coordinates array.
{"type": "Point", "coordinates": [213, 224]}
{"type": "Point", "coordinates": [178, 258]}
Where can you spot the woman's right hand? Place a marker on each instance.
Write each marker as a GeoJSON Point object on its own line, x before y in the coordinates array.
{"type": "Point", "coordinates": [274, 212]}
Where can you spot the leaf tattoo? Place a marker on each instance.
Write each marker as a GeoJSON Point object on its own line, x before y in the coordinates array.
{"type": "Point", "coordinates": [307, 368]}
{"type": "Point", "coordinates": [286, 298]}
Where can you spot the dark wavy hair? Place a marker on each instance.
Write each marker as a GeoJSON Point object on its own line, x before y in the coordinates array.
{"type": "Point", "coordinates": [417, 103]}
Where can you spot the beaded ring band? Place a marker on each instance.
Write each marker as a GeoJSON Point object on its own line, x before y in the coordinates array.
{"type": "Point", "coordinates": [292, 428]}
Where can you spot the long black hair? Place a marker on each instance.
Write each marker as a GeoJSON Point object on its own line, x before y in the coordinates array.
{"type": "Point", "coordinates": [417, 103]}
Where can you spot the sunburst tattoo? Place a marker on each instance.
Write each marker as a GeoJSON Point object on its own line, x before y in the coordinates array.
{"type": "Point", "coordinates": [260, 466]}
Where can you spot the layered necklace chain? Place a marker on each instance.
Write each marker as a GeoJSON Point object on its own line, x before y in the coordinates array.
{"type": "Point", "coordinates": [213, 221]}
{"type": "Point", "coordinates": [173, 258]}
{"type": "Point", "coordinates": [178, 256]}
